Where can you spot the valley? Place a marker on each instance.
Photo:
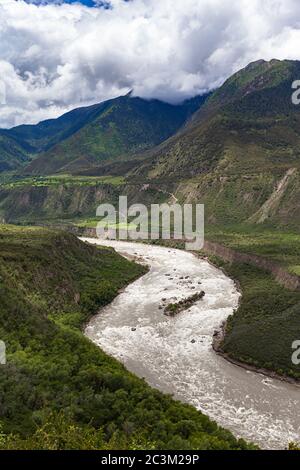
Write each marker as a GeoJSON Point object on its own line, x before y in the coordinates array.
{"type": "Point", "coordinates": [236, 151]}
{"type": "Point", "coordinates": [58, 390]}
{"type": "Point", "coordinates": [175, 354]}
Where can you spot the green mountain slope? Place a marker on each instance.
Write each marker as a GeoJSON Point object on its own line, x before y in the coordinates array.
{"type": "Point", "coordinates": [238, 154]}
{"type": "Point", "coordinates": [20, 144]}
{"type": "Point", "coordinates": [12, 154]}
{"type": "Point", "coordinates": [122, 127]}
{"type": "Point", "coordinates": [44, 135]}
{"type": "Point", "coordinates": [108, 129]}
{"type": "Point", "coordinates": [240, 149]}
{"type": "Point", "coordinates": [60, 391]}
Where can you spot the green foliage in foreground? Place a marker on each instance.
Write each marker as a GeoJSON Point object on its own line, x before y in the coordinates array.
{"type": "Point", "coordinates": [268, 317]}
{"type": "Point", "coordinates": [58, 390]}
{"type": "Point", "coordinates": [60, 433]}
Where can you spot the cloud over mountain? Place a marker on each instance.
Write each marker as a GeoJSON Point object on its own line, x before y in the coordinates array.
{"type": "Point", "coordinates": [56, 57]}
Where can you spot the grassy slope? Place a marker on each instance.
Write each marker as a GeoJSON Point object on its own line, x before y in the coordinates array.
{"type": "Point", "coordinates": [58, 390]}
{"type": "Point", "coordinates": [12, 154]}
{"type": "Point", "coordinates": [282, 247]}
{"type": "Point", "coordinates": [268, 317]}
{"type": "Point", "coordinates": [91, 133]}
{"type": "Point", "coordinates": [44, 135]}
{"type": "Point", "coordinates": [53, 199]}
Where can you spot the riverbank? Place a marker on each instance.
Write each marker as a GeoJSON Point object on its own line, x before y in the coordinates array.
{"type": "Point", "coordinates": [220, 335]}
{"type": "Point", "coordinates": [175, 355]}
{"type": "Point", "coordinates": [268, 316]}
{"type": "Point", "coordinates": [269, 293]}
{"type": "Point", "coordinates": [218, 339]}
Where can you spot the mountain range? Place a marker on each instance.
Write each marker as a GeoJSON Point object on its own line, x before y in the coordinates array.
{"type": "Point", "coordinates": [240, 152]}
{"type": "Point", "coordinates": [236, 150]}
{"type": "Point", "coordinates": [79, 139]}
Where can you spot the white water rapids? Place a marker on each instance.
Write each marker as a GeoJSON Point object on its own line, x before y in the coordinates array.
{"type": "Point", "coordinates": [175, 355]}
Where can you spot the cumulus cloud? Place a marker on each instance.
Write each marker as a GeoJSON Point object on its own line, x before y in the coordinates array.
{"type": "Point", "coordinates": [55, 57]}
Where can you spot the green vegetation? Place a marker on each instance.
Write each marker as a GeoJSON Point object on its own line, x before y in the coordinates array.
{"type": "Point", "coordinates": [58, 180]}
{"type": "Point", "coordinates": [239, 155]}
{"type": "Point", "coordinates": [294, 446]}
{"type": "Point", "coordinates": [61, 433]}
{"type": "Point", "coordinates": [282, 247]}
{"type": "Point", "coordinates": [122, 127]}
{"type": "Point", "coordinates": [86, 135]}
{"type": "Point", "coordinates": [12, 154]}
{"type": "Point", "coordinates": [174, 308]}
{"type": "Point", "coordinates": [268, 316]}
{"type": "Point", "coordinates": [58, 390]}
{"type": "Point", "coordinates": [54, 200]}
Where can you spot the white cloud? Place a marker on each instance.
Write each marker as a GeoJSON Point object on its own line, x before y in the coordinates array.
{"type": "Point", "coordinates": [54, 58]}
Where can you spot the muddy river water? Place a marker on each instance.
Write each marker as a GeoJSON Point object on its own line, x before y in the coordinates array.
{"type": "Point", "coordinates": [175, 355]}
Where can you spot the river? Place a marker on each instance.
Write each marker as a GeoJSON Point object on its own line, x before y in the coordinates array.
{"type": "Point", "coordinates": [175, 355]}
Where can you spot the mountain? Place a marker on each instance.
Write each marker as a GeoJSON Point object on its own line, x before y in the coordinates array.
{"type": "Point", "coordinates": [44, 135]}
{"type": "Point", "coordinates": [240, 153]}
{"type": "Point", "coordinates": [22, 143]}
{"type": "Point", "coordinates": [112, 130]}
{"type": "Point", "coordinates": [12, 153]}
{"type": "Point", "coordinates": [107, 130]}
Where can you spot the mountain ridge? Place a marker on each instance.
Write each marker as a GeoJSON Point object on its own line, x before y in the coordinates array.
{"type": "Point", "coordinates": [237, 147]}
{"type": "Point", "coordinates": [230, 154]}
{"type": "Point", "coordinates": [106, 126]}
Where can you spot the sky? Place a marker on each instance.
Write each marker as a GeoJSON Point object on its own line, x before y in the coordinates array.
{"type": "Point", "coordinates": [88, 3]}
{"type": "Point", "coordinates": [57, 55]}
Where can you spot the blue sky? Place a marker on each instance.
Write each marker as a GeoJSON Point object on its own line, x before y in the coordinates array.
{"type": "Point", "coordinates": [88, 3]}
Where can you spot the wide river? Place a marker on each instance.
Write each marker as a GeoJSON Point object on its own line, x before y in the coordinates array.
{"type": "Point", "coordinates": [175, 355]}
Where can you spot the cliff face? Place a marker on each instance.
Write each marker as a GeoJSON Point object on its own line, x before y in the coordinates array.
{"type": "Point", "coordinates": [39, 203]}
{"type": "Point", "coordinates": [283, 277]}
{"type": "Point", "coordinates": [43, 202]}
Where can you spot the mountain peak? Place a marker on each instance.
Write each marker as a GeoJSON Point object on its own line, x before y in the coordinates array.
{"type": "Point", "coordinates": [254, 78]}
